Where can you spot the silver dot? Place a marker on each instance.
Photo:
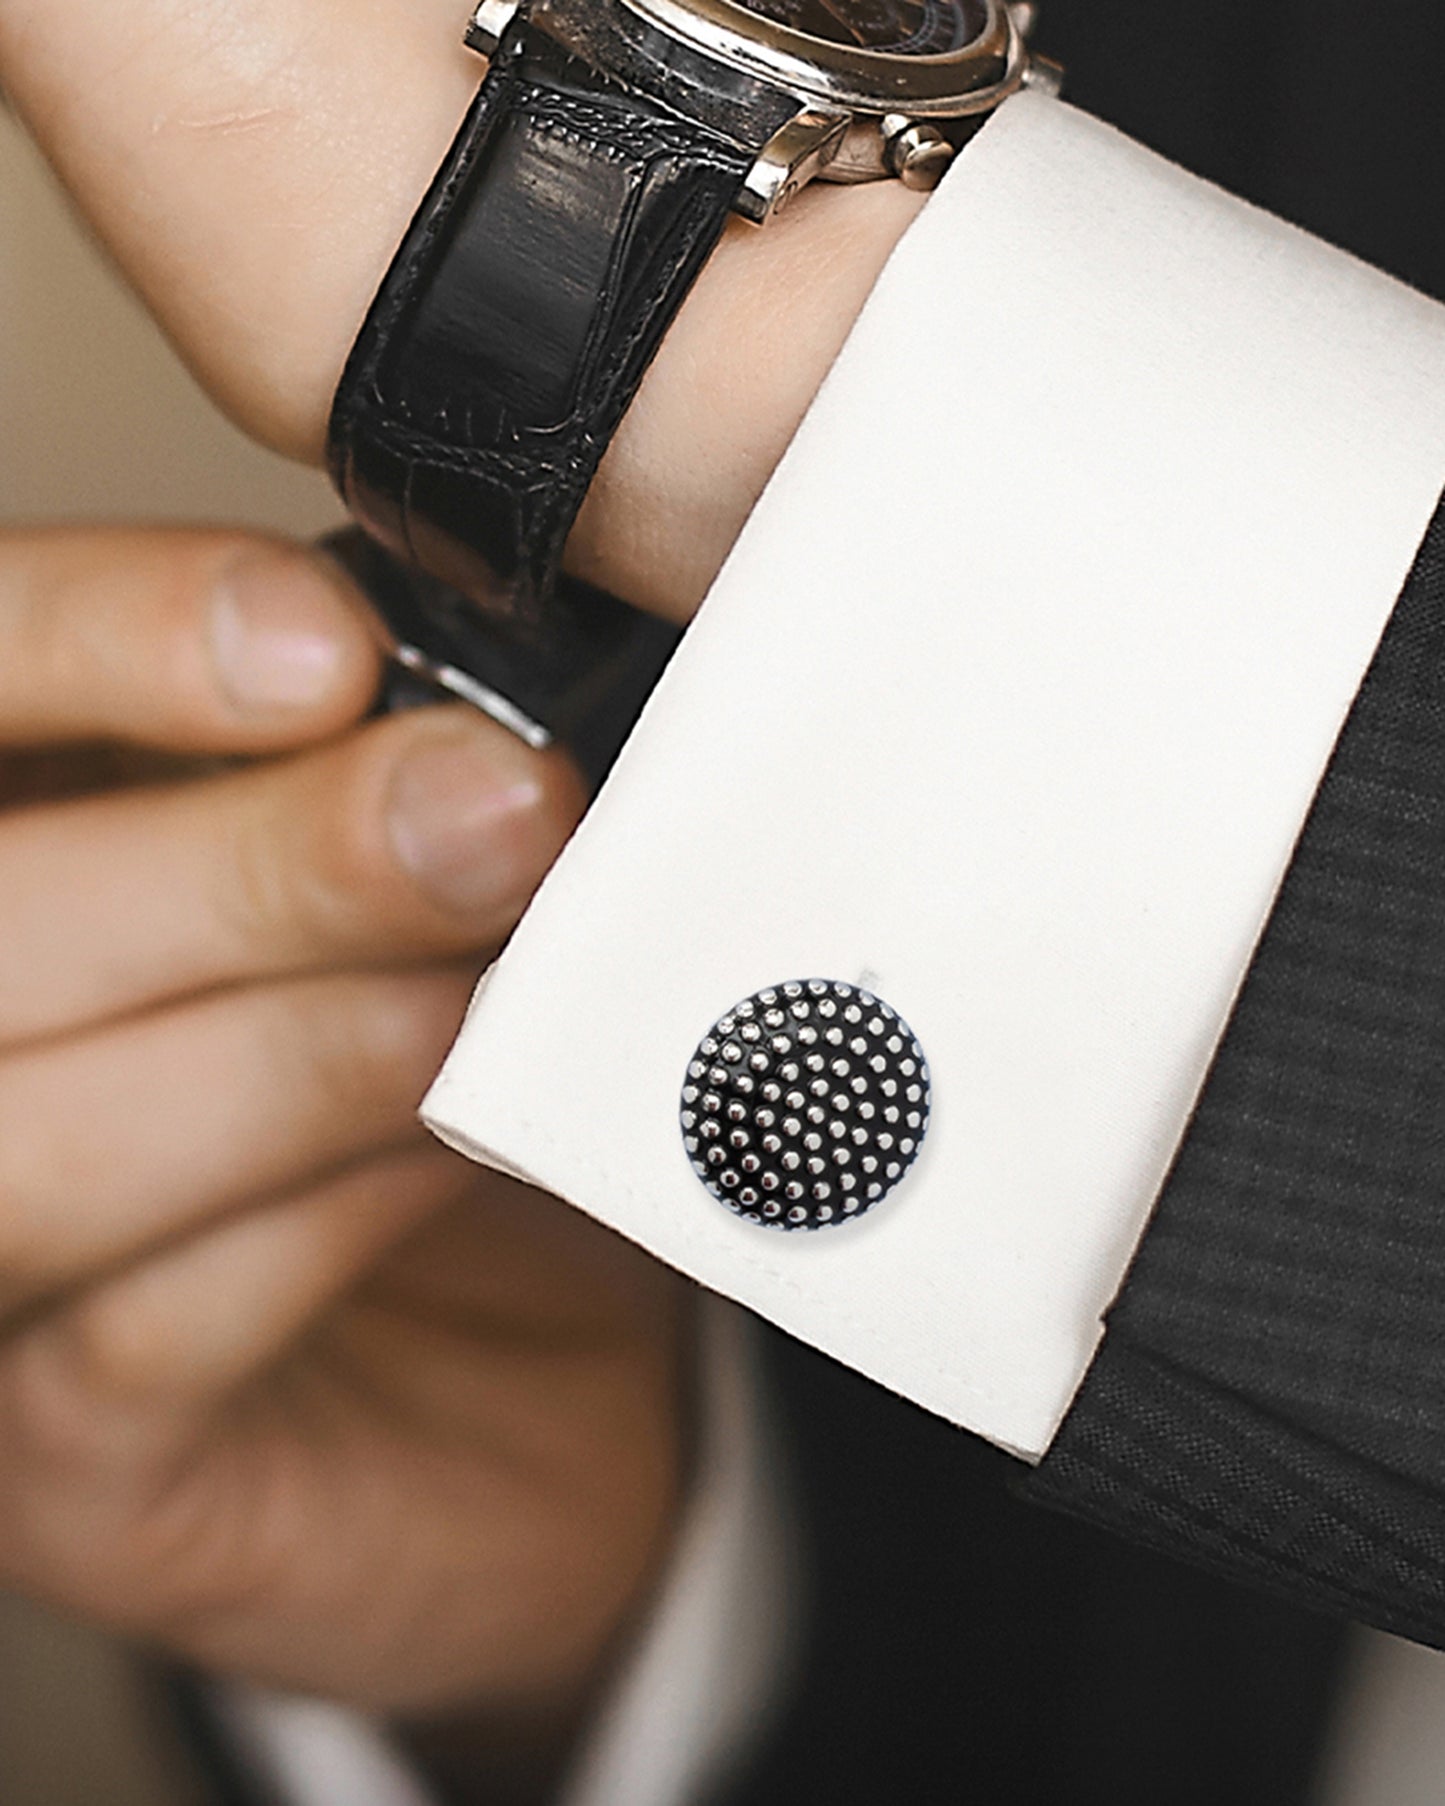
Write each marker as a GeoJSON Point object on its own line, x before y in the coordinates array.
{"type": "Point", "coordinates": [772, 1144]}
{"type": "Point", "coordinates": [740, 1139]}
{"type": "Point", "coordinates": [885, 1140]}
{"type": "Point", "coordinates": [792, 1126]}
{"type": "Point", "coordinates": [842, 1156]}
{"type": "Point", "coordinates": [732, 1053]}
{"type": "Point", "coordinates": [907, 1068]}
{"type": "Point", "coordinates": [858, 1045]}
{"type": "Point", "coordinates": [718, 1076]}
{"type": "Point", "coordinates": [808, 1037]}
{"type": "Point", "coordinates": [894, 1169]}
{"type": "Point", "coordinates": [747, 1008]}
{"type": "Point", "coordinates": [709, 1047]}
{"type": "Point", "coordinates": [764, 1118]}
{"type": "Point", "coordinates": [743, 1085]}
{"type": "Point", "coordinates": [819, 1088]}
{"type": "Point", "coordinates": [850, 1206]}
{"type": "Point", "coordinates": [772, 1091]}
{"type": "Point", "coordinates": [795, 1190]}
{"type": "Point", "coordinates": [878, 1063]}
{"type": "Point", "coordinates": [817, 987]}
{"type": "Point", "coordinates": [760, 1062]}
{"type": "Point", "coordinates": [795, 1100]}
{"type": "Point", "coordinates": [889, 1088]}
{"type": "Point", "coordinates": [750, 1032]}
{"type": "Point", "coordinates": [860, 1138]}
{"type": "Point", "coordinates": [689, 1094]}
{"type": "Point", "coordinates": [767, 996]}
{"type": "Point", "coordinates": [817, 1114]}
{"type": "Point", "coordinates": [725, 1024]}
{"type": "Point", "coordinates": [834, 1036]}
{"type": "Point", "coordinates": [842, 1103]}
{"type": "Point", "coordinates": [781, 1045]}
{"type": "Point", "coordinates": [870, 1165]}
{"type": "Point", "coordinates": [789, 1073]}
{"type": "Point", "coordinates": [716, 1156]}
{"type": "Point", "coordinates": [774, 1019]}
{"type": "Point", "coordinates": [792, 990]}
{"type": "Point", "coordinates": [792, 1161]}
{"type": "Point", "coordinates": [772, 1209]}
{"type": "Point", "coordinates": [875, 1025]}
{"type": "Point", "coordinates": [892, 1113]}
{"type": "Point", "coordinates": [907, 1145]}
{"type": "Point", "coordinates": [840, 1069]}
{"type": "Point", "coordinates": [860, 1084]}
{"type": "Point", "coordinates": [751, 1165]}
{"type": "Point", "coordinates": [836, 1129]}
{"type": "Point", "coordinates": [848, 1181]}
{"type": "Point", "coordinates": [770, 1181]}
{"type": "Point", "coordinates": [822, 1193]}
{"type": "Point", "coordinates": [913, 1093]}
{"type": "Point", "coordinates": [867, 1111]}
{"type": "Point", "coordinates": [747, 1196]}
{"type": "Point", "coordinates": [690, 1143]}
{"type": "Point", "coordinates": [913, 1119]}
{"type": "Point", "coordinates": [895, 1044]}
{"type": "Point", "coordinates": [875, 1191]}
{"type": "Point", "coordinates": [730, 1179]}
{"type": "Point", "coordinates": [825, 1213]}
{"type": "Point", "coordinates": [710, 1130]}
{"type": "Point", "coordinates": [689, 1119]}
{"type": "Point", "coordinates": [797, 1214]}
{"type": "Point", "coordinates": [737, 1112]}
{"type": "Point", "coordinates": [852, 1013]}
{"type": "Point", "coordinates": [817, 1166]}
{"type": "Point", "coordinates": [696, 1069]}
{"type": "Point", "coordinates": [827, 1007]}
{"type": "Point", "coordinates": [812, 1142]}
{"type": "Point", "coordinates": [815, 1062]}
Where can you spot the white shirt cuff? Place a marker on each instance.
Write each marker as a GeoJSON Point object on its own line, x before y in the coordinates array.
{"type": "Point", "coordinates": [1008, 706]}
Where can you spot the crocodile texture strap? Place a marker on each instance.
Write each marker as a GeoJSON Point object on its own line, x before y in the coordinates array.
{"type": "Point", "coordinates": [555, 245]}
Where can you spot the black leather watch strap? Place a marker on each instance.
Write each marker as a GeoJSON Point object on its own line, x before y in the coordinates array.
{"type": "Point", "coordinates": [558, 240]}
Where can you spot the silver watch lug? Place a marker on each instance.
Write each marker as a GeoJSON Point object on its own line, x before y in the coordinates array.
{"type": "Point", "coordinates": [1025, 15]}
{"type": "Point", "coordinates": [488, 25]}
{"type": "Point", "coordinates": [796, 152]}
{"type": "Point", "coordinates": [1044, 75]}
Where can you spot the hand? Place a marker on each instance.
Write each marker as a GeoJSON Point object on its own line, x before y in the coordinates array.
{"type": "Point", "coordinates": [252, 169]}
{"type": "Point", "coordinates": [285, 1386]}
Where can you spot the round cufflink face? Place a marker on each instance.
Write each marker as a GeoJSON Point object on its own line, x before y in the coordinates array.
{"type": "Point", "coordinates": [805, 1104]}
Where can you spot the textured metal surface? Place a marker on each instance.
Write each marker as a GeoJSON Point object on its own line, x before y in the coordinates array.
{"type": "Point", "coordinates": [805, 1104]}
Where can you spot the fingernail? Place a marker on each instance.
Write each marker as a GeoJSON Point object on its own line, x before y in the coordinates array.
{"type": "Point", "coordinates": [457, 808]}
{"type": "Point", "coordinates": [277, 632]}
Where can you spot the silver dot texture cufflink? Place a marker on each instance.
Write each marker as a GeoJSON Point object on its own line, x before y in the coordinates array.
{"type": "Point", "coordinates": [805, 1104]}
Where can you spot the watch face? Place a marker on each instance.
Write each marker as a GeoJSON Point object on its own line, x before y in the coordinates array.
{"type": "Point", "coordinates": [896, 27]}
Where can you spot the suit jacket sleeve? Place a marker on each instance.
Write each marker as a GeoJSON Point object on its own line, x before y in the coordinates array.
{"type": "Point", "coordinates": [1270, 1396]}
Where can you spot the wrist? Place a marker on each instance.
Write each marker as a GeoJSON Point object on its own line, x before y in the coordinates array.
{"type": "Point", "coordinates": [735, 374]}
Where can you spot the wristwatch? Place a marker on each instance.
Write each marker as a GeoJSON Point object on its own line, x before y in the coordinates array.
{"type": "Point", "coordinates": [606, 148]}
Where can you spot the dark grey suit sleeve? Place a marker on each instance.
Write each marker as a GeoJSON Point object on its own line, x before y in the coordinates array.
{"type": "Point", "coordinates": [1269, 1399]}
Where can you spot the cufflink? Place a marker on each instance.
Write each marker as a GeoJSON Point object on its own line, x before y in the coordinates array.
{"type": "Point", "coordinates": [805, 1104]}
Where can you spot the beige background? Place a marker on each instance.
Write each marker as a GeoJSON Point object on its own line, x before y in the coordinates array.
{"type": "Point", "coordinates": [97, 417]}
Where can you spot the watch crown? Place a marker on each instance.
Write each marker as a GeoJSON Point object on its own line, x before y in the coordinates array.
{"type": "Point", "coordinates": [916, 154]}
